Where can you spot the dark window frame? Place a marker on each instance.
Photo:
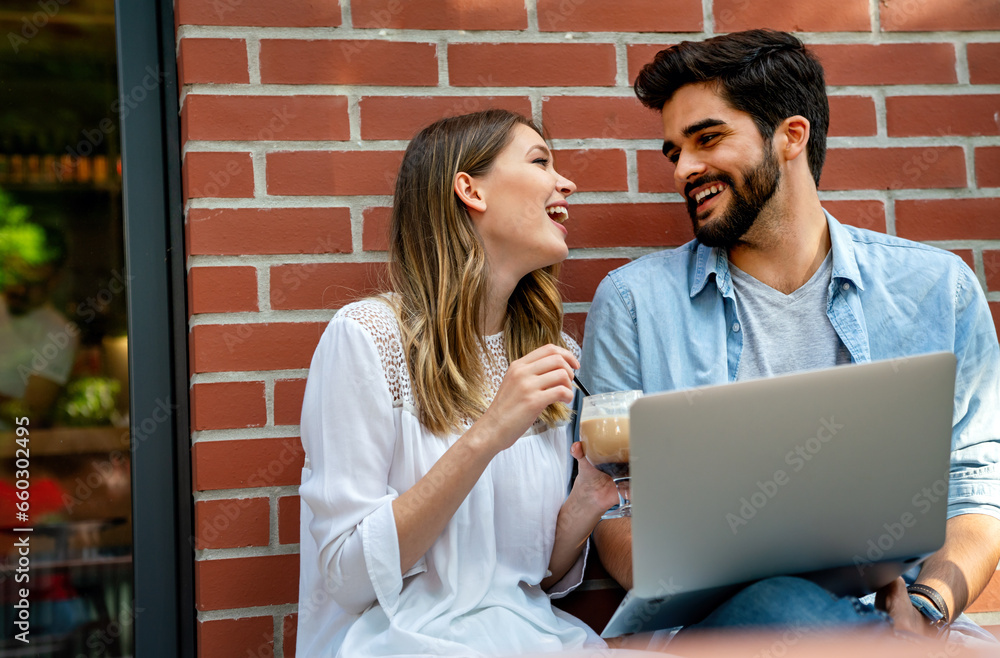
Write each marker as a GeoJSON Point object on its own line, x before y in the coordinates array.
{"type": "Point", "coordinates": [162, 505]}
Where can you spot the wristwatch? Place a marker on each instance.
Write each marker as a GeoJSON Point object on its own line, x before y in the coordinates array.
{"type": "Point", "coordinates": [931, 605]}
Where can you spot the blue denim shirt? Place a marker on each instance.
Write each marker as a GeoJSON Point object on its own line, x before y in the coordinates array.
{"type": "Point", "coordinates": [669, 320]}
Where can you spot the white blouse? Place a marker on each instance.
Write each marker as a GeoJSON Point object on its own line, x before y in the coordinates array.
{"type": "Point", "coordinates": [476, 591]}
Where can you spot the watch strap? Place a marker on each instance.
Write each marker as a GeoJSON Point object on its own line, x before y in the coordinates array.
{"type": "Point", "coordinates": [934, 597]}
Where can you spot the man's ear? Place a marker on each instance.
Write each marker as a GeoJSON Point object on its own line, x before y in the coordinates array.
{"type": "Point", "coordinates": [792, 136]}
{"type": "Point", "coordinates": [468, 191]}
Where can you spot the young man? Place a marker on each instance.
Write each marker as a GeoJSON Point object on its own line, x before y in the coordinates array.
{"type": "Point", "coordinates": [773, 284]}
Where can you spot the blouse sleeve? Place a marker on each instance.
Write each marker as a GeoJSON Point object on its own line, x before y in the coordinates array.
{"type": "Point", "coordinates": [348, 433]}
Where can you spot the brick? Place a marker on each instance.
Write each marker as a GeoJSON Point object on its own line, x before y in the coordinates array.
{"type": "Point", "coordinates": [991, 264]}
{"type": "Point", "coordinates": [989, 600]}
{"type": "Point", "coordinates": [908, 116]}
{"type": "Point", "coordinates": [258, 13]}
{"type": "Point", "coordinates": [236, 638]}
{"type": "Point", "coordinates": [984, 63]}
{"type": "Point", "coordinates": [988, 166]}
{"type": "Point", "coordinates": [288, 520]}
{"type": "Point", "coordinates": [217, 175]}
{"type": "Point", "coordinates": [264, 118]}
{"type": "Point", "coordinates": [791, 16]}
{"type": "Point", "coordinates": [594, 170]}
{"type": "Point", "coordinates": [531, 64]}
{"type": "Point", "coordinates": [573, 325]}
{"type": "Point", "coordinates": [939, 15]}
{"type": "Point", "coordinates": [239, 347]}
{"type": "Point", "coordinates": [628, 225]}
{"type": "Point", "coordinates": [238, 231]}
{"type": "Point", "coordinates": [250, 463]}
{"type": "Point", "coordinates": [324, 285]}
{"type": "Point", "coordinates": [288, 395]}
{"type": "Point", "coordinates": [887, 64]}
{"type": "Point", "coordinates": [440, 14]}
{"type": "Point", "coordinates": [213, 61]}
{"type": "Point", "coordinates": [289, 627]}
{"type": "Point", "coordinates": [375, 229]}
{"type": "Point", "coordinates": [579, 277]}
{"type": "Point", "coordinates": [640, 54]}
{"type": "Point", "coordinates": [948, 219]}
{"type": "Point", "coordinates": [228, 405]}
{"type": "Point", "coordinates": [863, 214]}
{"type": "Point", "coordinates": [655, 172]}
{"type": "Point", "coordinates": [402, 117]}
{"type": "Point", "coordinates": [309, 173]}
{"type": "Point", "coordinates": [620, 16]}
{"type": "Point", "coordinates": [246, 582]}
{"type": "Point", "coordinates": [222, 289]}
{"type": "Point", "coordinates": [966, 255]}
{"type": "Point", "coordinates": [342, 62]}
{"type": "Point", "coordinates": [894, 168]}
{"type": "Point", "coordinates": [232, 523]}
{"type": "Point", "coordinates": [579, 117]}
{"type": "Point", "coordinates": [852, 116]}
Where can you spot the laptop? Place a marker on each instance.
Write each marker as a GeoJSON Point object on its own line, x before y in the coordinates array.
{"type": "Point", "coordinates": [837, 475]}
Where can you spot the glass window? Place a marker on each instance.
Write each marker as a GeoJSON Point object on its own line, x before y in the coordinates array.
{"type": "Point", "coordinates": [64, 432]}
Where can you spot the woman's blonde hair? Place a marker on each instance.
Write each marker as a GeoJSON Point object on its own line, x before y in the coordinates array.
{"type": "Point", "coordinates": [439, 272]}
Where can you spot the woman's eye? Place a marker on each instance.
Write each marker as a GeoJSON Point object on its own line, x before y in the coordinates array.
{"type": "Point", "coordinates": [542, 161]}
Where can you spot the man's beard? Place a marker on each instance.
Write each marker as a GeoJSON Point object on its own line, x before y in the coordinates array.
{"type": "Point", "coordinates": [748, 200]}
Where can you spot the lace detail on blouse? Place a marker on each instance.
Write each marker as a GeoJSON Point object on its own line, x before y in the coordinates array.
{"type": "Point", "coordinates": [380, 322]}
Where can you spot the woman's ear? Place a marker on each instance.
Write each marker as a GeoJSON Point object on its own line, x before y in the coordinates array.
{"type": "Point", "coordinates": [793, 136]}
{"type": "Point", "coordinates": [469, 192]}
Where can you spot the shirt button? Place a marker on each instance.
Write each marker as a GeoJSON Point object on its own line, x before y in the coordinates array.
{"type": "Point", "coordinates": [736, 327]}
{"type": "Point", "coordinates": [846, 286]}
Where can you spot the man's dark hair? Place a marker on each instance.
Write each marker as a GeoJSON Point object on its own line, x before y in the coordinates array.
{"type": "Point", "coordinates": [767, 74]}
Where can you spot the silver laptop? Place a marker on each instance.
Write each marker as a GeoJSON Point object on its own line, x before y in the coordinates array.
{"type": "Point", "coordinates": [837, 475]}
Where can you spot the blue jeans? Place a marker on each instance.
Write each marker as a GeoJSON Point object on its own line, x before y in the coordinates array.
{"type": "Point", "coordinates": [793, 604]}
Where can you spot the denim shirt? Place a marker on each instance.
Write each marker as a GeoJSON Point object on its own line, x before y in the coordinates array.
{"type": "Point", "coordinates": [669, 320]}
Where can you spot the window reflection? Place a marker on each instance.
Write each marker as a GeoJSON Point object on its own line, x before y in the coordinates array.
{"type": "Point", "coordinates": [63, 338]}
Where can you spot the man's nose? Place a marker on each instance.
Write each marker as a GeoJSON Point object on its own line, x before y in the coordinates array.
{"type": "Point", "coordinates": [687, 167]}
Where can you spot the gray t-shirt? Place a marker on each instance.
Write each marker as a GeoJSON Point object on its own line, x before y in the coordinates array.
{"type": "Point", "coordinates": [786, 333]}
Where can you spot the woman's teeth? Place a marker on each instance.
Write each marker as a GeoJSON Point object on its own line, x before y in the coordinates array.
{"type": "Point", "coordinates": [715, 189]}
{"type": "Point", "coordinates": [557, 213]}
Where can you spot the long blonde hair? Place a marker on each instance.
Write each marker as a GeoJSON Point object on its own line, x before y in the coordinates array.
{"type": "Point", "coordinates": [439, 272]}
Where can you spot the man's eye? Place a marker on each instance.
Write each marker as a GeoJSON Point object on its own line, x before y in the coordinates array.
{"type": "Point", "coordinates": [672, 156]}
{"type": "Point", "coordinates": [705, 139]}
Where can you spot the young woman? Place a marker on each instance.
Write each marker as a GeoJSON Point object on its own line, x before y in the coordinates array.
{"type": "Point", "coordinates": [435, 519]}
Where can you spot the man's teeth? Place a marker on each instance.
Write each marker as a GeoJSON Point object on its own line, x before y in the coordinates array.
{"type": "Point", "coordinates": [557, 213]}
{"type": "Point", "coordinates": [709, 190]}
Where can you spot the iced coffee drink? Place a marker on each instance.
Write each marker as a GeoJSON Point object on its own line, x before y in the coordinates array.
{"type": "Point", "coordinates": [604, 434]}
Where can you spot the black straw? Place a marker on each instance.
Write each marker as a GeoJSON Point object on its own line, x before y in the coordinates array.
{"type": "Point", "coordinates": [579, 385]}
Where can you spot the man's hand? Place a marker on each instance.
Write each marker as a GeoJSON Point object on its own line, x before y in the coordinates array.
{"type": "Point", "coordinates": [894, 599]}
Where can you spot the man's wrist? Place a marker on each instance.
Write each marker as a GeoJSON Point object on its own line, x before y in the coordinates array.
{"type": "Point", "coordinates": [930, 604]}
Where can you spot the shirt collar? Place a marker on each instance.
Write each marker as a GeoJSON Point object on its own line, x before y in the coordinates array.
{"type": "Point", "coordinates": [845, 265]}
{"type": "Point", "coordinates": [712, 260]}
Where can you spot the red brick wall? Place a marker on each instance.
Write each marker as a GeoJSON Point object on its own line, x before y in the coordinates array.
{"type": "Point", "coordinates": [294, 118]}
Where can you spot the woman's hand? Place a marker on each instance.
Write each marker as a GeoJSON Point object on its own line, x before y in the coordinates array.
{"type": "Point", "coordinates": [594, 488]}
{"type": "Point", "coordinates": [531, 384]}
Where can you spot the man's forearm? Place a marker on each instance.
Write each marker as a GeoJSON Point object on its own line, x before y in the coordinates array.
{"type": "Point", "coordinates": [613, 539]}
{"type": "Point", "coordinates": [962, 568]}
